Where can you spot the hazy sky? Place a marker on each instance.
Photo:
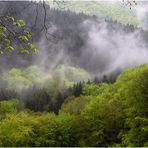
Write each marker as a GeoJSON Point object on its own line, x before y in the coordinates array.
{"type": "Point", "coordinates": [142, 15]}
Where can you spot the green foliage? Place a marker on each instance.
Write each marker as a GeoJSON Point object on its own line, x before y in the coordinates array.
{"type": "Point", "coordinates": [55, 131]}
{"type": "Point", "coordinates": [60, 77]}
{"type": "Point", "coordinates": [2, 29]}
{"type": "Point", "coordinates": [74, 105]}
{"type": "Point", "coordinates": [17, 130]}
{"type": "Point", "coordinates": [19, 23]}
{"type": "Point", "coordinates": [16, 80]}
{"type": "Point", "coordinates": [9, 18]}
{"type": "Point", "coordinates": [134, 95]}
{"type": "Point", "coordinates": [71, 75]}
{"type": "Point", "coordinates": [118, 113]}
{"type": "Point", "coordinates": [19, 79]}
{"type": "Point", "coordinates": [113, 115]}
{"type": "Point", "coordinates": [27, 129]}
{"type": "Point", "coordinates": [93, 89]}
{"type": "Point", "coordinates": [94, 116]}
{"type": "Point", "coordinates": [7, 107]}
{"type": "Point", "coordinates": [15, 36]}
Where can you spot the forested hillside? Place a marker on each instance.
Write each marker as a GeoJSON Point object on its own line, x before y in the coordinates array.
{"type": "Point", "coordinates": [84, 85]}
{"type": "Point", "coordinates": [104, 115]}
{"type": "Point", "coordinates": [71, 38]}
{"type": "Point", "coordinates": [117, 11]}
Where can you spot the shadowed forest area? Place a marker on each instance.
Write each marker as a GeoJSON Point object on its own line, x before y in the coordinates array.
{"type": "Point", "coordinates": [71, 79]}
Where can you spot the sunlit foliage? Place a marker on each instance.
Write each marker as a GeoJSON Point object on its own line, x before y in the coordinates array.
{"type": "Point", "coordinates": [115, 115]}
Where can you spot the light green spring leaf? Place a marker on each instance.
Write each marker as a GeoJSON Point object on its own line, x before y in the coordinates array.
{"type": "Point", "coordinates": [23, 38]}
{"type": "Point", "coordinates": [3, 29]}
{"type": "Point", "coordinates": [24, 51]}
{"type": "Point", "coordinates": [1, 52]}
{"type": "Point", "coordinates": [20, 23]}
{"type": "Point", "coordinates": [9, 18]}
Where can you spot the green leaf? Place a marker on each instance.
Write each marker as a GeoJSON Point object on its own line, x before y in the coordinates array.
{"type": "Point", "coordinates": [31, 45]}
{"type": "Point", "coordinates": [7, 42]}
{"type": "Point", "coordinates": [33, 48]}
{"type": "Point", "coordinates": [27, 32]}
{"type": "Point", "coordinates": [9, 48]}
{"type": "Point", "coordinates": [1, 52]}
{"type": "Point", "coordinates": [24, 51]}
{"type": "Point", "coordinates": [23, 38]}
{"type": "Point", "coordinates": [3, 29]}
{"type": "Point", "coordinates": [9, 18]}
{"type": "Point", "coordinates": [20, 23]}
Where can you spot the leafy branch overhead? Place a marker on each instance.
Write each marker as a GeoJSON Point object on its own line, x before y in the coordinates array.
{"type": "Point", "coordinates": [15, 36]}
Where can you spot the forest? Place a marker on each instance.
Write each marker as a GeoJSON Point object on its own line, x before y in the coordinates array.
{"type": "Point", "coordinates": [71, 79]}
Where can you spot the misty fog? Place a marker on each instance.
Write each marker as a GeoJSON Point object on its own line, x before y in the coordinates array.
{"type": "Point", "coordinates": [69, 79]}
{"type": "Point", "coordinates": [100, 46]}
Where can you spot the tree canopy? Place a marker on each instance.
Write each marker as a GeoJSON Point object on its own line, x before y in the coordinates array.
{"type": "Point", "coordinates": [115, 115]}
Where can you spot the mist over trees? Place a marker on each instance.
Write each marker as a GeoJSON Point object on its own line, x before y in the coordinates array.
{"type": "Point", "coordinates": [76, 91]}
{"type": "Point", "coordinates": [70, 39]}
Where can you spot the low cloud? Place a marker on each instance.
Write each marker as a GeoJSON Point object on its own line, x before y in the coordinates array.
{"type": "Point", "coordinates": [113, 50]}
{"type": "Point", "coordinates": [142, 14]}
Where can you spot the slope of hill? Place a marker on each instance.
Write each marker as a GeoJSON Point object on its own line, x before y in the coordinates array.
{"type": "Point", "coordinates": [115, 11]}
{"type": "Point", "coordinates": [73, 38]}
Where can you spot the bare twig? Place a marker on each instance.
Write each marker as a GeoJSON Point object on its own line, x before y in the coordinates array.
{"type": "Point", "coordinates": [130, 3]}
